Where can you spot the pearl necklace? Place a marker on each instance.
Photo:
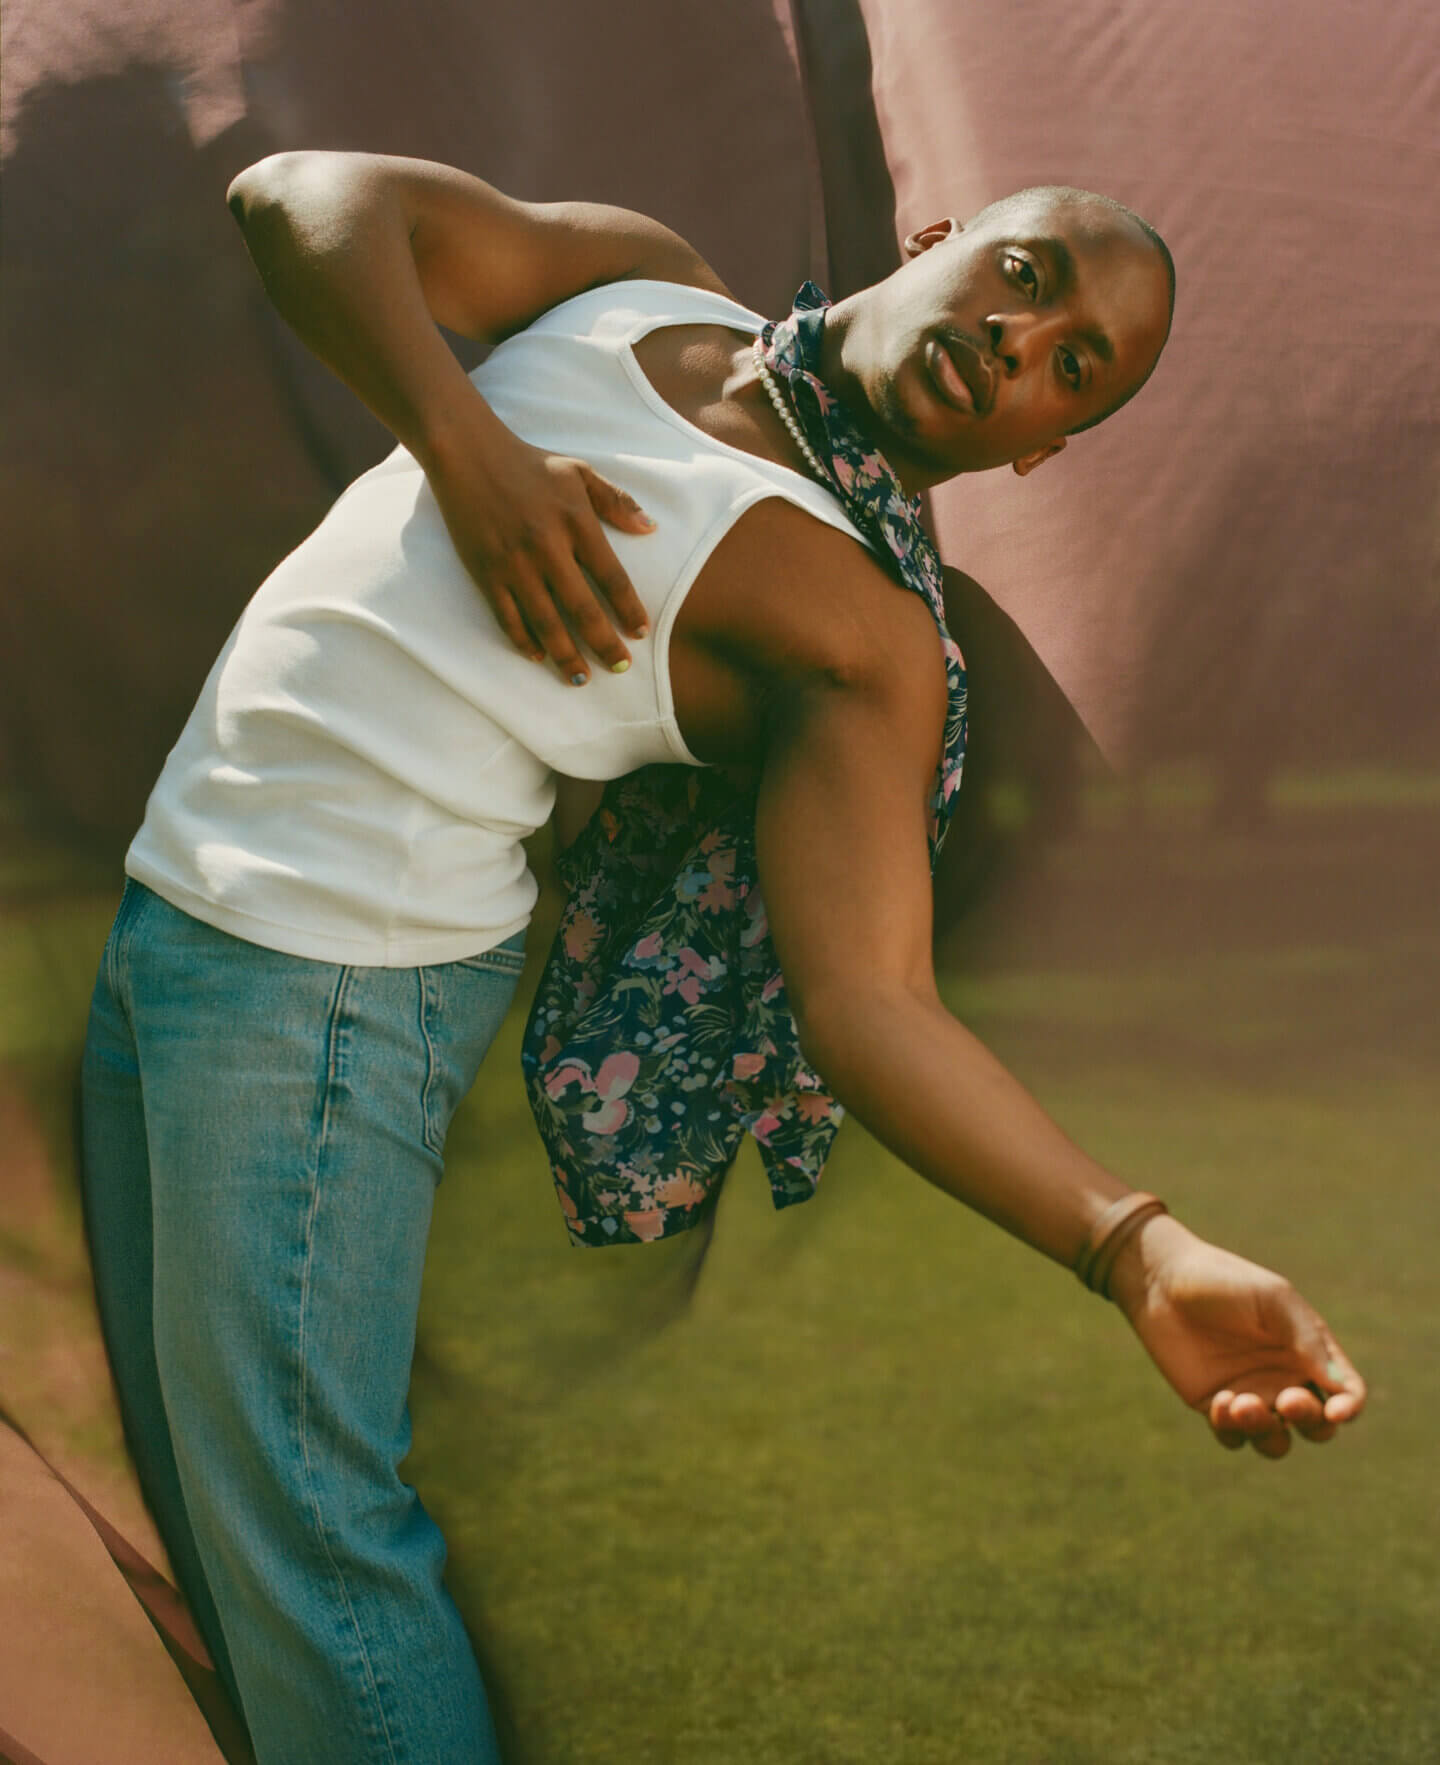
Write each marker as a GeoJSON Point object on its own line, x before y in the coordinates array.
{"type": "Point", "coordinates": [787, 416]}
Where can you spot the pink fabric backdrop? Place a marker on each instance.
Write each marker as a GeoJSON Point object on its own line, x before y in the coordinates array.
{"type": "Point", "coordinates": [1245, 561]}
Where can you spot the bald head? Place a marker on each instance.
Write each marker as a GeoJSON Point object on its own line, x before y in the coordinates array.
{"type": "Point", "coordinates": [1067, 198]}
{"type": "Point", "coordinates": [1000, 338]}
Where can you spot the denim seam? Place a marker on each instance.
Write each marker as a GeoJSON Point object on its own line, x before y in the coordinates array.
{"type": "Point", "coordinates": [428, 981]}
{"type": "Point", "coordinates": [117, 945]}
{"type": "Point", "coordinates": [332, 1064]}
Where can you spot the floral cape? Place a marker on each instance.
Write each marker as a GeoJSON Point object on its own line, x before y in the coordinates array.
{"type": "Point", "coordinates": [660, 1034]}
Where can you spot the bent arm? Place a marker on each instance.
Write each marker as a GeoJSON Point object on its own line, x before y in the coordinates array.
{"type": "Point", "coordinates": [364, 254]}
{"type": "Point", "coordinates": [365, 257]}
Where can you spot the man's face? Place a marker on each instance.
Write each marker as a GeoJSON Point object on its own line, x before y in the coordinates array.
{"type": "Point", "coordinates": [1000, 337]}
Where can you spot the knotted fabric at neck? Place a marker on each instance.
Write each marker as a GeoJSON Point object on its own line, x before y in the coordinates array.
{"type": "Point", "coordinates": [660, 1034]}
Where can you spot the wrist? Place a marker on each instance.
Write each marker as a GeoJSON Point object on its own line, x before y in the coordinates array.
{"type": "Point", "coordinates": [1153, 1242]}
{"type": "Point", "coordinates": [452, 429]}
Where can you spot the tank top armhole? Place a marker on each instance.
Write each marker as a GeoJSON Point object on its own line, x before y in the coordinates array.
{"type": "Point", "coordinates": [699, 557]}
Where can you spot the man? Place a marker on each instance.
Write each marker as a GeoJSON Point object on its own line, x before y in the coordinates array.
{"type": "Point", "coordinates": [322, 928]}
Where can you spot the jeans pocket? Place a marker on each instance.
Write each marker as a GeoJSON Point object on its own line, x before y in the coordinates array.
{"type": "Point", "coordinates": [462, 1006]}
{"type": "Point", "coordinates": [506, 958]}
{"type": "Point", "coordinates": [132, 899]}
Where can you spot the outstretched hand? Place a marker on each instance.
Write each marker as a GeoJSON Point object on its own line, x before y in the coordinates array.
{"type": "Point", "coordinates": [1237, 1342]}
{"type": "Point", "coordinates": [527, 526]}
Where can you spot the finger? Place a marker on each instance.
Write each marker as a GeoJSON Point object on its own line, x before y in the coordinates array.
{"type": "Point", "coordinates": [1249, 1419]}
{"type": "Point", "coordinates": [1320, 1432]}
{"type": "Point", "coordinates": [1304, 1410]}
{"type": "Point", "coordinates": [1251, 1413]}
{"type": "Point", "coordinates": [1232, 1439]}
{"type": "Point", "coordinates": [512, 623]}
{"type": "Point", "coordinates": [594, 552]}
{"type": "Point", "coordinates": [1272, 1445]}
{"type": "Point", "coordinates": [1345, 1384]}
{"type": "Point", "coordinates": [554, 636]}
{"type": "Point", "coordinates": [614, 505]}
{"type": "Point", "coordinates": [1330, 1371]}
{"type": "Point", "coordinates": [574, 591]}
{"type": "Point", "coordinates": [594, 555]}
{"type": "Point", "coordinates": [1299, 1407]}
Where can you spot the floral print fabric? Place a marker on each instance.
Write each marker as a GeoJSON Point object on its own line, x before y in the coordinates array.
{"type": "Point", "coordinates": [660, 1034]}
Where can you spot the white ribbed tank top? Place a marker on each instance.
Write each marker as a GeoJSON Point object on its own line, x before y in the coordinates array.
{"type": "Point", "coordinates": [369, 749]}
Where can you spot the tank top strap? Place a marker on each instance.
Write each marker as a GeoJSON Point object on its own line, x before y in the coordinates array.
{"type": "Point", "coordinates": [621, 312]}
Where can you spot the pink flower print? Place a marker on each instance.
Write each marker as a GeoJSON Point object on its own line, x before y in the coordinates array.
{"type": "Point", "coordinates": [813, 1106]}
{"type": "Point", "coordinates": [844, 474]}
{"type": "Point", "coordinates": [614, 1079]}
{"type": "Point", "coordinates": [680, 1190]}
{"type": "Point", "coordinates": [647, 1224]}
{"type": "Point", "coordinates": [647, 947]}
{"type": "Point", "coordinates": [573, 1072]}
{"type": "Point", "coordinates": [716, 897]}
{"type": "Point", "coordinates": [772, 987]}
{"type": "Point", "coordinates": [617, 1074]}
{"type": "Point", "coordinates": [581, 936]}
{"type": "Point", "coordinates": [609, 1118]}
{"type": "Point", "coordinates": [764, 1126]}
{"type": "Point", "coordinates": [745, 1066]}
{"type": "Point", "coordinates": [871, 467]}
{"type": "Point", "coordinates": [687, 978]}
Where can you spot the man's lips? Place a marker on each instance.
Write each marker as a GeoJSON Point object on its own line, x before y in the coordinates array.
{"type": "Point", "coordinates": [962, 378]}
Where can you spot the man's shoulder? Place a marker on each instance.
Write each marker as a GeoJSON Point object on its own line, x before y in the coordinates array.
{"type": "Point", "coordinates": [639, 248]}
{"type": "Point", "coordinates": [804, 596]}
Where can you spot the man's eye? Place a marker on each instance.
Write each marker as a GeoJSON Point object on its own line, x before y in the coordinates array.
{"type": "Point", "coordinates": [1024, 272]}
{"type": "Point", "coordinates": [1070, 367]}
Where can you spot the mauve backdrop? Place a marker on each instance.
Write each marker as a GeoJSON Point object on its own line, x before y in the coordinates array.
{"type": "Point", "coordinates": [1245, 563]}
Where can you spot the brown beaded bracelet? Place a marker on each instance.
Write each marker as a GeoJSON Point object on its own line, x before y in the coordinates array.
{"type": "Point", "coordinates": [1108, 1234]}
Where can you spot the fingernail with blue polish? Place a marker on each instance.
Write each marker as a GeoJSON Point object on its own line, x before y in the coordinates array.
{"type": "Point", "coordinates": [578, 679]}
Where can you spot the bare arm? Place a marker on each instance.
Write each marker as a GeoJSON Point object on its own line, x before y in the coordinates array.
{"type": "Point", "coordinates": [849, 766]}
{"type": "Point", "coordinates": [364, 256]}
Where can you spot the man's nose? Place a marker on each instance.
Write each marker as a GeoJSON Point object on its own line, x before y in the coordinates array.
{"type": "Point", "coordinates": [1015, 338]}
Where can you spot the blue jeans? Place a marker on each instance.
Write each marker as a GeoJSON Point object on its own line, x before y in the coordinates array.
{"type": "Point", "coordinates": [262, 1140]}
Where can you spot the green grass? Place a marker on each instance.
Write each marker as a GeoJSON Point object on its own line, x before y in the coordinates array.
{"type": "Point", "coordinates": [869, 1481]}
{"type": "Point", "coordinates": [887, 1486]}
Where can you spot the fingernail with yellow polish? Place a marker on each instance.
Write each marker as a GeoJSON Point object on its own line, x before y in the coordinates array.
{"type": "Point", "coordinates": [620, 666]}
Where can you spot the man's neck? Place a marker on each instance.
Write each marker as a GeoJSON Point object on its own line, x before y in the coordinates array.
{"type": "Point", "coordinates": [841, 341]}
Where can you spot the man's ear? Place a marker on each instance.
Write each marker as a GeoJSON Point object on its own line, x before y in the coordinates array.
{"type": "Point", "coordinates": [1023, 467]}
{"type": "Point", "coordinates": [932, 235]}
